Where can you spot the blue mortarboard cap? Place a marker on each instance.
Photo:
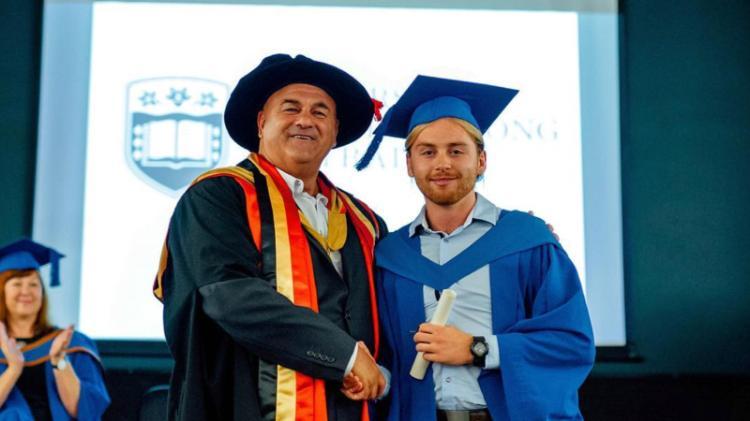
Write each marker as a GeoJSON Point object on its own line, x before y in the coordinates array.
{"type": "Point", "coordinates": [430, 98]}
{"type": "Point", "coordinates": [27, 254]}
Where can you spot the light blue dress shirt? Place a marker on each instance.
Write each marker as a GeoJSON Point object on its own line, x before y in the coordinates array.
{"type": "Point", "coordinates": [456, 387]}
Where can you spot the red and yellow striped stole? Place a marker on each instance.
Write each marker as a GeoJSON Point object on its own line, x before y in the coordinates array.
{"type": "Point", "coordinates": [298, 396]}
{"type": "Point", "coordinates": [245, 179]}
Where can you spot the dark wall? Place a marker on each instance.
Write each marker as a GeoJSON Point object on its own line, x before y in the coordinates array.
{"type": "Point", "coordinates": [686, 185]}
{"type": "Point", "coordinates": [686, 178]}
{"type": "Point", "coordinates": [20, 35]}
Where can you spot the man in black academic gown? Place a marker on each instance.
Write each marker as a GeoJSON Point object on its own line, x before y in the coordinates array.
{"type": "Point", "coordinates": [266, 275]}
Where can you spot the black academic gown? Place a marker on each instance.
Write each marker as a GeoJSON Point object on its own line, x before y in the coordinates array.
{"type": "Point", "coordinates": [227, 327]}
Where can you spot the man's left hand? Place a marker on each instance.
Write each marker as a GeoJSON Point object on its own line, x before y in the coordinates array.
{"type": "Point", "coordinates": [444, 344]}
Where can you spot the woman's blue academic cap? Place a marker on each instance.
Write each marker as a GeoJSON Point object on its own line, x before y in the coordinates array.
{"type": "Point", "coordinates": [26, 254]}
{"type": "Point", "coordinates": [430, 98]}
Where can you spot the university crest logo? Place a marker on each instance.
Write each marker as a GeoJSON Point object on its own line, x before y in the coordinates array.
{"type": "Point", "coordinates": [174, 129]}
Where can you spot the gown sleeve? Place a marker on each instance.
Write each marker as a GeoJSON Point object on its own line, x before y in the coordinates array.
{"type": "Point", "coordinates": [15, 407]}
{"type": "Point", "coordinates": [545, 357]}
{"type": "Point", "coordinates": [94, 399]}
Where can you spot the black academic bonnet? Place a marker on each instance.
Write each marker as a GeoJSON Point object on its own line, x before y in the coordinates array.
{"type": "Point", "coordinates": [354, 108]}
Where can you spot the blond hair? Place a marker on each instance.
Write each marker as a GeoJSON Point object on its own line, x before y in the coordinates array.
{"type": "Point", "coordinates": [472, 131]}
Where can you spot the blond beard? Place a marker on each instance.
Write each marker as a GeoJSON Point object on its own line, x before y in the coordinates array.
{"type": "Point", "coordinates": [444, 197]}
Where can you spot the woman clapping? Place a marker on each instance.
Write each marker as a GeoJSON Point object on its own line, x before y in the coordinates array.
{"type": "Point", "coordinates": [47, 373]}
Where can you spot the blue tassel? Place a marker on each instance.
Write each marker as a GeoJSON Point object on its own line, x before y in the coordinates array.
{"type": "Point", "coordinates": [54, 270]}
{"type": "Point", "coordinates": [375, 143]}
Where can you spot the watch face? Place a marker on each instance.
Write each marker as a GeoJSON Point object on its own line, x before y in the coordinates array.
{"type": "Point", "coordinates": [479, 349]}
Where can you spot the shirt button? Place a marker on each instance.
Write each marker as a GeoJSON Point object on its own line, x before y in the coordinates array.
{"type": "Point", "coordinates": [447, 379]}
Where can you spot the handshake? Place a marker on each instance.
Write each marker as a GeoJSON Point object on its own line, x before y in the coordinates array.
{"type": "Point", "coordinates": [365, 381]}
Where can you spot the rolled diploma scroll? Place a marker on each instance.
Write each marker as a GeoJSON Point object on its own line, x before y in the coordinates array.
{"type": "Point", "coordinates": [443, 310]}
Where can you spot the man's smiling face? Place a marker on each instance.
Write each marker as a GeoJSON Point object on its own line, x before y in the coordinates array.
{"type": "Point", "coordinates": [297, 128]}
{"type": "Point", "coordinates": [445, 162]}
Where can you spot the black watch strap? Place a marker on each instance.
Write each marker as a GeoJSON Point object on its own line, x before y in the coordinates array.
{"type": "Point", "coordinates": [479, 350]}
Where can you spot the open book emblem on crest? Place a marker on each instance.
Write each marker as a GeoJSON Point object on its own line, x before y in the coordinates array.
{"type": "Point", "coordinates": [174, 129]}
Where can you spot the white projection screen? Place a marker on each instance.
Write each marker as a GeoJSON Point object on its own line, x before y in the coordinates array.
{"type": "Point", "coordinates": [132, 95]}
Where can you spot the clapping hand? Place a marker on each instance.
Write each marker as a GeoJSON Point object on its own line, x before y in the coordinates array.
{"type": "Point", "coordinates": [60, 344]}
{"type": "Point", "coordinates": [11, 350]}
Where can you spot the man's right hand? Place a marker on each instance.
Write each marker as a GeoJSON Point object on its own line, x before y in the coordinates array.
{"type": "Point", "coordinates": [365, 380]}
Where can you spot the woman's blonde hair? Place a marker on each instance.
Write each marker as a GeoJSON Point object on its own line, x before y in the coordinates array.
{"type": "Point", "coordinates": [468, 127]}
{"type": "Point", "coordinates": [41, 324]}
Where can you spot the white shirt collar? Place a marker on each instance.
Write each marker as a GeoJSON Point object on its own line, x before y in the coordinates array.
{"type": "Point", "coordinates": [297, 187]}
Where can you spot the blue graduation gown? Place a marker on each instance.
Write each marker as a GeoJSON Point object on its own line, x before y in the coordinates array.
{"type": "Point", "coordinates": [538, 314]}
{"type": "Point", "coordinates": [84, 358]}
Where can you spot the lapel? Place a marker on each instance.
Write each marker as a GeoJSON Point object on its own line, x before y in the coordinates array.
{"type": "Point", "coordinates": [352, 257]}
{"type": "Point", "coordinates": [351, 254]}
{"type": "Point", "coordinates": [321, 259]}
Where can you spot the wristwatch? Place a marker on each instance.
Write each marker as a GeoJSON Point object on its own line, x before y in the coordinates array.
{"type": "Point", "coordinates": [61, 365]}
{"type": "Point", "coordinates": [479, 350]}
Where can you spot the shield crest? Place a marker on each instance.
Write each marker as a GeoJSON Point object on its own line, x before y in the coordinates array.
{"type": "Point", "coordinates": [175, 129]}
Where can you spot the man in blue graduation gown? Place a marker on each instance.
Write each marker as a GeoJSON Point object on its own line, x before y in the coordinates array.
{"type": "Point", "coordinates": [518, 342]}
